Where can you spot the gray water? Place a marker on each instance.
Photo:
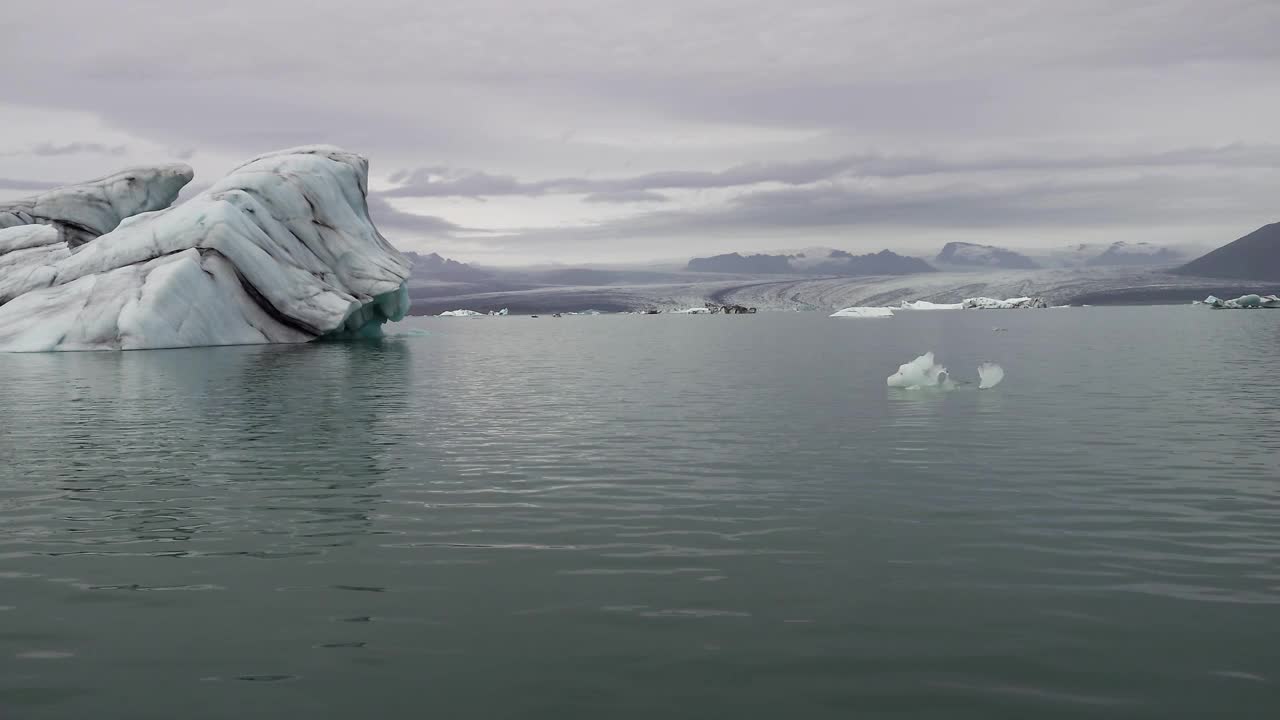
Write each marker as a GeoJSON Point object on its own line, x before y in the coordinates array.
{"type": "Point", "coordinates": [644, 517]}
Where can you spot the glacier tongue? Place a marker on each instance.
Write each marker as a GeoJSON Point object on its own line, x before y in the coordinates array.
{"type": "Point", "coordinates": [280, 250]}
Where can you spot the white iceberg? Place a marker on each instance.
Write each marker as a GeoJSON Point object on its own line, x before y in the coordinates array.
{"type": "Point", "coordinates": [922, 372]}
{"type": "Point", "coordinates": [82, 213]}
{"type": "Point", "coordinates": [461, 313]}
{"type": "Point", "coordinates": [692, 311]}
{"type": "Point", "coordinates": [989, 375]}
{"type": "Point", "coordinates": [863, 312]}
{"type": "Point", "coordinates": [925, 372]}
{"type": "Point", "coordinates": [926, 305]}
{"type": "Point", "coordinates": [280, 250]}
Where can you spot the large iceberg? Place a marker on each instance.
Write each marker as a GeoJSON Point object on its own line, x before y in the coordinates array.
{"type": "Point", "coordinates": [280, 250]}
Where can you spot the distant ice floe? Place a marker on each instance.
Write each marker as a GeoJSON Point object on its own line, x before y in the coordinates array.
{"type": "Point", "coordinates": [925, 372]}
{"type": "Point", "coordinates": [926, 305]}
{"type": "Point", "coordinates": [1244, 302]}
{"type": "Point", "coordinates": [978, 303]}
{"type": "Point", "coordinates": [863, 312]}
{"type": "Point", "coordinates": [460, 313]}
{"type": "Point", "coordinates": [1019, 303]}
{"type": "Point", "coordinates": [692, 311]}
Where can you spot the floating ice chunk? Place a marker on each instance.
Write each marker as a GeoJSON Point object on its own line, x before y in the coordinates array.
{"type": "Point", "coordinates": [989, 375]}
{"type": "Point", "coordinates": [1244, 302]}
{"type": "Point", "coordinates": [925, 372]}
{"type": "Point", "coordinates": [922, 372]}
{"type": "Point", "coordinates": [863, 312]}
{"type": "Point", "coordinates": [460, 313]}
{"type": "Point", "coordinates": [499, 313]}
{"type": "Point", "coordinates": [926, 305]}
{"type": "Point", "coordinates": [692, 311]}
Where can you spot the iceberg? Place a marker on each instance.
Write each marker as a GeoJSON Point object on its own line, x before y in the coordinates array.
{"type": "Point", "coordinates": [281, 250]}
{"type": "Point", "coordinates": [461, 313]}
{"type": "Point", "coordinates": [82, 213]}
{"type": "Point", "coordinates": [925, 372]}
{"type": "Point", "coordinates": [922, 372]}
{"type": "Point", "coordinates": [1019, 303]}
{"type": "Point", "coordinates": [1244, 302]}
{"type": "Point", "coordinates": [989, 375]}
{"type": "Point", "coordinates": [977, 303]}
{"type": "Point", "coordinates": [692, 311]}
{"type": "Point", "coordinates": [926, 305]}
{"type": "Point", "coordinates": [863, 312]}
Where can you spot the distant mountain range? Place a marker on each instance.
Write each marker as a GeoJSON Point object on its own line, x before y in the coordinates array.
{"type": "Point", "coordinates": [744, 264]}
{"type": "Point", "coordinates": [434, 267]}
{"type": "Point", "coordinates": [1130, 254]}
{"type": "Point", "coordinates": [983, 256]}
{"type": "Point", "coordinates": [837, 262]}
{"type": "Point", "coordinates": [1255, 256]}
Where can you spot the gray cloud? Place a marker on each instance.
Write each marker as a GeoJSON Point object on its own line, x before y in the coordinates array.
{"type": "Point", "coordinates": [77, 148]}
{"type": "Point", "coordinates": [387, 217]}
{"type": "Point", "coordinates": [449, 182]}
{"type": "Point", "coordinates": [49, 149]}
{"type": "Point", "coordinates": [791, 112]}
{"type": "Point", "coordinates": [627, 196]}
{"type": "Point", "coordinates": [32, 185]}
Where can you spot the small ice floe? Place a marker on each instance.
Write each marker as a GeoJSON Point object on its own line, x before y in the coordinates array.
{"type": "Point", "coordinates": [925, 372]}
{"type": "Point", "coordinates": [459, 313]}
{"type": "Point", "coordinates": [863, 312]}
{"type": "Point", "coordinates": [692, 311]}
{"type": "Point", "coordinates": [1244, 302]}
{"type": "Point", "coordinates": [989, 375]}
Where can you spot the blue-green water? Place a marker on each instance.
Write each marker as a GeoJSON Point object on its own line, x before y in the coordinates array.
{"type": "Point", "coordinates": [641, 517]}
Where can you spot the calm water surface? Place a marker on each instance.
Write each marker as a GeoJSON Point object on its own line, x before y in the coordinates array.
{"type": "Point", "coordinates": [644, 517]}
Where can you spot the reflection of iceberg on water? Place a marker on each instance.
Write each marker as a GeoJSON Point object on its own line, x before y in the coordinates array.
{"type": "Point", "coordinates": [863, 312]}
{"type": "Point", "coordinates": [925, 372]}
{"type": "Point", "coordinates": [1244, 302]}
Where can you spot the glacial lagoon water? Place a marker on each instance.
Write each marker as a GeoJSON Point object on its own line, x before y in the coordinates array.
{"type": "Point", "coordinates": [652, 517]}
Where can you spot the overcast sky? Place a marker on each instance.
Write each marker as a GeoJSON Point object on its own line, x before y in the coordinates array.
{"type": "Point", "coordinates": [513, 131]}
